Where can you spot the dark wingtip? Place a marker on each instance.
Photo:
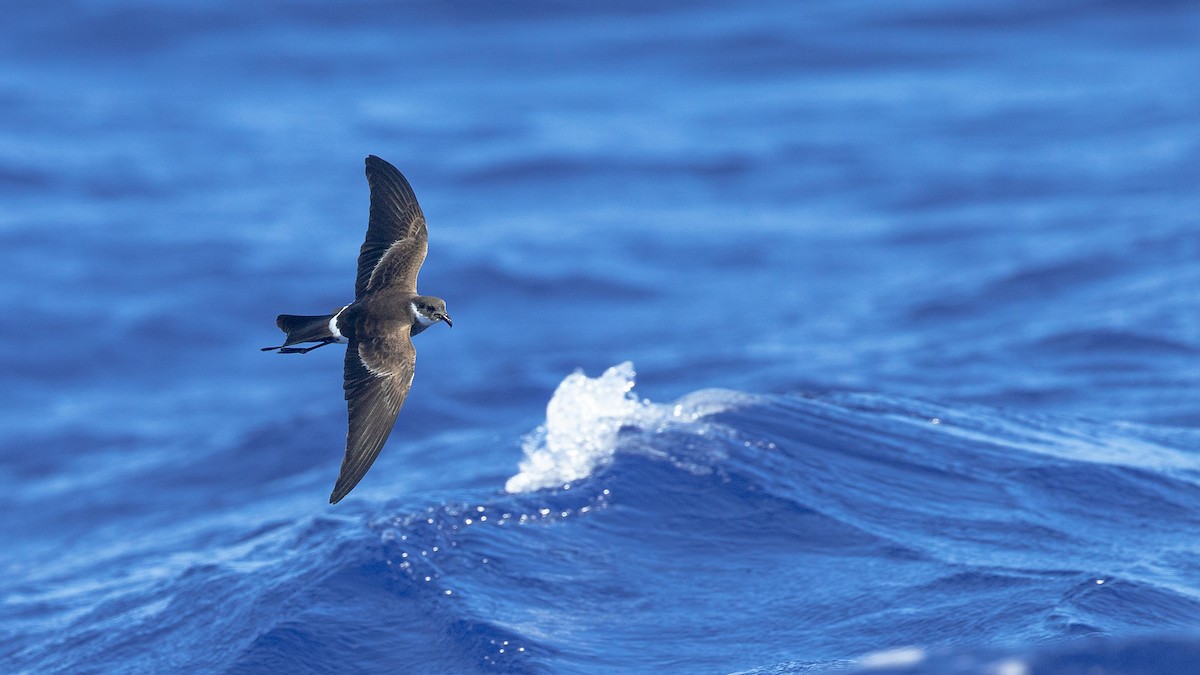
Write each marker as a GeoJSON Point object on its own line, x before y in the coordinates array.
{"type": "Point", "coordinates": [379, 162]}
{"type": "Point", "coordinates": [340, 490]}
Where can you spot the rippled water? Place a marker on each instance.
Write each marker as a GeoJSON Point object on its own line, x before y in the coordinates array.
{"type": "Point", "coordinates": [911, 293]}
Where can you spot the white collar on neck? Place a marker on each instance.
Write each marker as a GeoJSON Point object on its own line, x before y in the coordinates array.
{"type": "Point", "coordinates": [421, 318]}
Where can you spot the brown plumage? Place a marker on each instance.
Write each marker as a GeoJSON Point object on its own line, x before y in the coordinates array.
{"type": "Point", "coordinates": [378, 326]}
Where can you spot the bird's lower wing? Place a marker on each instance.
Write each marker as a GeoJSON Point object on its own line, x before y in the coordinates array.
{"type": "Point", "coordinates": [377, 380]}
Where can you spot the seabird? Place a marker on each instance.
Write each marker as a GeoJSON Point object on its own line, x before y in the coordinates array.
{"type": "Point", "coordinates": [377, 328]}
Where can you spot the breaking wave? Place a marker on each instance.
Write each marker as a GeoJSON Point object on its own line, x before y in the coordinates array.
{"type": "Point", "coordinates": [587, 416]}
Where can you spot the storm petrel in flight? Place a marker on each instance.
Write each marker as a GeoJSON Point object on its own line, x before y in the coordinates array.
{"type": "Point", "coordinates": [378, 326]}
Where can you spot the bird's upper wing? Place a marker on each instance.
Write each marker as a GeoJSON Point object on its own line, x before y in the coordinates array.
{"type": "Point", "coordinates": [379, 373]}
{"type": "Point", "coordinates": [396, 234]}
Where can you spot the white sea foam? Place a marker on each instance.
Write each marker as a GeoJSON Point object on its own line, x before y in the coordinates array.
{"type": "Point", "coordinates": [585, 417]}
{"type": "Point", "coordinates": [903, 657]}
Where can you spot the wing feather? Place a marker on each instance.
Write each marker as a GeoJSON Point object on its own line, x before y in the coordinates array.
{"type": "Point", "coordinates": [397, 237]}
{"type": "Point", "coordinates": [378, 376]}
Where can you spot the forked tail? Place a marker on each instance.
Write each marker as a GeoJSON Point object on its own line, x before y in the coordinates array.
{"type": "Point", "coordinates": [303, 329]}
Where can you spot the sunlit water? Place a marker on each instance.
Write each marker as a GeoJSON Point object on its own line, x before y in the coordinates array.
{"type": "Point", "coordinates": [910, 290]}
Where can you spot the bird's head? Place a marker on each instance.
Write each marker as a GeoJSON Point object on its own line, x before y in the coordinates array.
{"type": "Point", "coordinates": [431, 310]}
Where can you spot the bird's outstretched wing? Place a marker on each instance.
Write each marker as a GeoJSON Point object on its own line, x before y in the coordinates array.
{"type": "Point", "coordinates": [397, 238]}
{"type": "Point", "coordinates": [378, 374]}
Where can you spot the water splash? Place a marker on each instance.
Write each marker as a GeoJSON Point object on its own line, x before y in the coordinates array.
{"type": "Point", "coordinates": [586, 416]}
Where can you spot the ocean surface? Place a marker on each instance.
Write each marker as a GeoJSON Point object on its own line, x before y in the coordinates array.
{"type": "Point", "coordinates": [789, 337]}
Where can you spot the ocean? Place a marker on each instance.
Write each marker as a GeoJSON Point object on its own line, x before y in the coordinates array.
{"type": "Point", "coordinates": [835, 336]}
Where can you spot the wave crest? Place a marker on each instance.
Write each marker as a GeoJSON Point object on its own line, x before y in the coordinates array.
{"type": "Point", "coordinates": [586, 416]}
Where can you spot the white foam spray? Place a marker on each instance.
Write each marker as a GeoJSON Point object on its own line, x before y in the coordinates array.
{"type": "Point", "coordinates": [584, 419]}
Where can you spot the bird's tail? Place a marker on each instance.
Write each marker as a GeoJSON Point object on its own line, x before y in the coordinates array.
{"type": "Point", "coordinates": [304, 329]}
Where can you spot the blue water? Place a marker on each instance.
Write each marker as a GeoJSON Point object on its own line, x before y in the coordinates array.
{"type": "Point", "coordinates": [885, 317]}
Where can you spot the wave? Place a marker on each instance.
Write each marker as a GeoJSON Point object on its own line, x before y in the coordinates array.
{"type": "Point", "coordinates": [586, 417]}
{"type": "Point", "coordinates": [756, 520]}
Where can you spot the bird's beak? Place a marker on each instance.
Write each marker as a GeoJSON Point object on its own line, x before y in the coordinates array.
{"type": "Point", "coordinates": [446, 318]}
